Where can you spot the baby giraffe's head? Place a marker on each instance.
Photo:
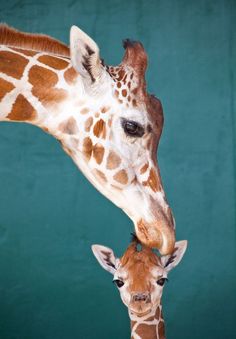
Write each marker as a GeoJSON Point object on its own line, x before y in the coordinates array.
{"type": "Point", "coordinates": [140, 274]}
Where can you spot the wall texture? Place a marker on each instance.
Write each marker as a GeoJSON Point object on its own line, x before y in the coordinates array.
{"type": "Point", "coordinates": [50, 284]}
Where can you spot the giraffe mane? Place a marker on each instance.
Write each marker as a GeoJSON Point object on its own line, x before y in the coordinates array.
{"type": "Point", "coordinates": [36, 42]}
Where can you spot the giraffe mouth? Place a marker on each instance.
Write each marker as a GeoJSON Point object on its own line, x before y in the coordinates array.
{"type": "Point", "coordinates": [140, 309]}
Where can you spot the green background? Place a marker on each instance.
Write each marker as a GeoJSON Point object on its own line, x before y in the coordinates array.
{"type": "Point", "coordinates": [51, 287]}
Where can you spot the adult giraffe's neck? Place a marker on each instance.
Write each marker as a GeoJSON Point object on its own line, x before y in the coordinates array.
{"type": "Point", "coordinates": [34, 86]}
{"type": "Point", "coordinates": [150, 326]}
{"type": "Point", "coordinates": [44, 90]}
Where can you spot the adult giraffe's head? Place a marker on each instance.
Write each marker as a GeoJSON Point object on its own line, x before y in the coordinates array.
{"type": "Point", "coordinates": [140, 273]}
{"type": "Point", "coordinates": [122, 128]}
{"type": "Point", "coordinates": [100, 112]}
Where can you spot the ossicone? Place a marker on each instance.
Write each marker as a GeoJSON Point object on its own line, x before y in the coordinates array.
{"type": "Point", "coordinates": [135, 56]}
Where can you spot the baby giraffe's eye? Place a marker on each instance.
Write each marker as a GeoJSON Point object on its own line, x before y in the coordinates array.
{"type": "Point", "coordinates": [161, 281]}
{"type": "Point", "coordinates": [132, 128]}
{"type": "Point", "coordinates": [119, 283]}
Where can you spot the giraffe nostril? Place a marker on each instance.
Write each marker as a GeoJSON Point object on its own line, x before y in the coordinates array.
{"type": "Point", "coordinates": [141, 297]}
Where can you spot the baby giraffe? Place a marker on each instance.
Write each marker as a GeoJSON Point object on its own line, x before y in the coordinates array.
{"type": "Point", "coordinates": [140, 275]}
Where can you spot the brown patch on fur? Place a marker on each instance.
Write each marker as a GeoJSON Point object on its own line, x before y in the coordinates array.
{"type": "Point", "coordinates": [150, 318]}
{"type": "Point", "coordinates": [98, 153]}
{"type": "Point", "coordinates": [134, 102]}
{"type": "Point", "coordinates": [161, 330]}
{"type": "Point", "coordinates": [87, 148]}
{"type": "Point", "coordinates": [70, 76]}
{"type": "Point", "coordinates": [153, 181]}
{"type": "Point", "coordinates": [24, 51]}
{"type": "Point", "coordinates": [68, 126]}
{"type": "Point", "coordinates": [146, 331]}
{"type": "Point", "coordinates": [113, 160]}
{"type": "Point", "coordinates": [121, 177]}
{"type": "Point", "coordinates": [42, 77]}
{"type": "Point", "coordinates": [144, 168]}
{"type": "Point", "coordinates": [99, 129]}
{"type": "Point", "coordinates": [119, 84]}
{"type": "Point", "coordinates": [12, 64]}
{"type": "Point", "coordinates": [37, 42]}
{"type": "Point", "coordinates": [124, 92]}
{"type": "Point", "coordinates": [84, 110]}
{"type": "Point", "coordinates": [121, 74]}
{"type": "Point", "coordinates": [52, 97]}
{"type": "Point", "coordinates": [101, 175]}
{"type": "Point", "coordinates": [116, 93]}
{"type": "Point", "coordinates": [105, 109]}
{"type": "Point", "coordinates": [88, 123]}
{"type": "Point", "coordinates": [43, 81]}
{"type": "Point", "coordinates": [22, 110]}
{"type": "Point", "coordinates": [53, 62]}
{"type": "Point", "coordinates": [5, 87]}
{"type": "Point", "coordinates": [158, 313]}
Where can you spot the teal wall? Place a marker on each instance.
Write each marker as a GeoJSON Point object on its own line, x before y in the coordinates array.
{"type": "Point", "coordinates": [51, 287]}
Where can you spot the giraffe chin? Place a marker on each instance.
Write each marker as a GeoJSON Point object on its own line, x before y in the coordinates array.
{"type": "Point", "coordinates": [140, 314]}
{"type": "Point", "coordinates": [156, 235]}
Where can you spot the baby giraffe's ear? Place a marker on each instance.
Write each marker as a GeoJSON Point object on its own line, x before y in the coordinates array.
{"type": "Point", "coordinates": [172, 260]}
{"type": "Point", "coordinates": [85, 55]}
{"type": "Point", "coordinates": [105, 257]}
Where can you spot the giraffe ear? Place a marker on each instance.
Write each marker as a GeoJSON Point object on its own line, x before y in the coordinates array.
{"type": "Point", "coordinates": [172, 260]}
{"type": "Point", "coordinates": [105, 257]}
{"type": "Point", "coordinates": [85, 55]}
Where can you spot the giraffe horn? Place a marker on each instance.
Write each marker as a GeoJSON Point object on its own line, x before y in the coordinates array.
{"type": "Point", "coordinates": [135, 56]}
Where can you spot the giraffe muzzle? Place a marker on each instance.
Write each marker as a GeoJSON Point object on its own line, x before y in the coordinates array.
{"type": "Point", "coordinates": [140, 304]}
{"type": "Point", "coordinates": [158, 235]}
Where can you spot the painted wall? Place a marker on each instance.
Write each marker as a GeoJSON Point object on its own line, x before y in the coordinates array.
{"type": "Point", "coordinates": [50, 284]}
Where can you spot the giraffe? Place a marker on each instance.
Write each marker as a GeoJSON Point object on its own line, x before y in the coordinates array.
{"type": "Point", "coordinates": [102, 115]}
{"type": "Point", "coordinates": [140, 275]}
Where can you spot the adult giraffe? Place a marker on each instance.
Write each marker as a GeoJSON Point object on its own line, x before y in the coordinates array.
{"type": "Point", "coordinates": [102, 115]}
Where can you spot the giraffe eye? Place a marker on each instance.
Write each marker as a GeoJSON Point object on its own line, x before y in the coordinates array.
{"type": "Point", "coordinates": [119, 283]}
{"type": "Point", "coordinates": [161, 281]}
{"type": "Point", "coordinates": [132, 128]}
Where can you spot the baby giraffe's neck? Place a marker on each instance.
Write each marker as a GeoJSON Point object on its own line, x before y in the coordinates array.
{"type": "Point", "coordinates": [150, 326]}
